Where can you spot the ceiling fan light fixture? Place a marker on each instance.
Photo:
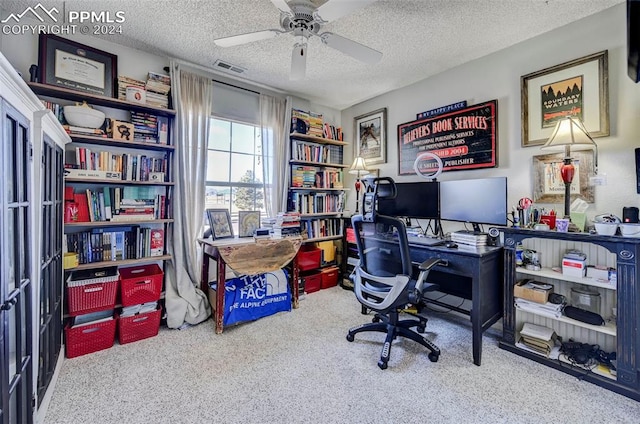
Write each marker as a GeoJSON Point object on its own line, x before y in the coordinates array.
{"type": "Point", "coordinates": [299, 61]}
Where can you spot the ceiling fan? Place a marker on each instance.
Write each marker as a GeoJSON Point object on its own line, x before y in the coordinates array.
{"type": "Point", "coordinates": [303, 19]}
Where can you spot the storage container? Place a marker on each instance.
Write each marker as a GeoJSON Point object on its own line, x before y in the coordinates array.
{"type": "Point", "coordinates": [92, 290]}
{"type": "Point", "coordinates": [309, 257]}
{"type": "Point", "coordinates": [138, 326]}
{"type": "Point", "coordinates": [140, 284]}
{"type": "Point", "coordinates": [89, 338]}
{"type": "Point", "coordinates": [312, 282]}
{"type": "Point", "coordinates": [329, 277]}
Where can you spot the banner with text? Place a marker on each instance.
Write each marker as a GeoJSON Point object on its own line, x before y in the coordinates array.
{"type": "Point", "coordinates": [464, 139]}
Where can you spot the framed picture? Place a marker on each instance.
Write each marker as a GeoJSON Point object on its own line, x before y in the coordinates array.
{"type": "Point", "coordinates": [548, 186]}
{"type": "Point", "coordinates": [576, 88]}
{"type": "Point", "coordinates": [68, 64]}
{"type": "Point", "coordinates": [248, 223]}
{"type": "Point", "coordinates": [371, 136]}
{"type": "Point", "coordinates": [220, 223]}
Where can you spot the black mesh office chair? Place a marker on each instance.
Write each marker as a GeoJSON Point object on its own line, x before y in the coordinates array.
{"type": "Point", "coordinates": [383, 281]}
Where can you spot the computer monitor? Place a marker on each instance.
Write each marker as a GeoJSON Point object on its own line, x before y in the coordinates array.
{"type": "Point", "coordinates": [413, 200]}
{"type": "Point", "coordinates": [478, 201]}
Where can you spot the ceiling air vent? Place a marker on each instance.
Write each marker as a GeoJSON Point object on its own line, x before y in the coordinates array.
{"type": "Point", "coordinates": [227, 67]}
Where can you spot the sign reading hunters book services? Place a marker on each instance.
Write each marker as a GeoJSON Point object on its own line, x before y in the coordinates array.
{"type": "Point", "coordinates": [463, 139]}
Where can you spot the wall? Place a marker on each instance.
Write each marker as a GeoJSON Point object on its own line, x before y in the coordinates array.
{"type": "Point", "coordinates": [497, 76]}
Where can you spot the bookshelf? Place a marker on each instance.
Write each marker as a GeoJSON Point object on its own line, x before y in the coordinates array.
{"type": "Point", "coordinates": [317, 191]}
{"type": "Point", "coordinates": [138, 188]}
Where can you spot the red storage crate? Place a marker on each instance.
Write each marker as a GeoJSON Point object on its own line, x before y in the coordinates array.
{"type": "Point", "coordinates": [312, 282]}
{"type": "Point", "coordinates": [139, 326]}
{"type": "Point", "coordinates": [309, 257]}
{"type": "Point", "coordinates": [89, 338]}
{"type": "Point", "coordinates": [329, 277]}
{"type": "Point", "coordinates": [92, 291]}
{"type": "Point", "coordinates": [140, 284]}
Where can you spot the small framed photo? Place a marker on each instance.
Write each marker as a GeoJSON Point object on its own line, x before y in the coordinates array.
{"type": "Point", "coordinates": [248, 223]}
{"type": "Point", "coordinates": [548, 186]}
{"type": "Point", "coordinates": [68, 64]}
{"type": "Point", "coordinates": [371, 136]}
{"type": "Point", "coordinates": [220, 223]}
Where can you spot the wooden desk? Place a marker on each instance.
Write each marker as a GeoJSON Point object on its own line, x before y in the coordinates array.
{"type": "Point", "coordinates": [469, 273]}
{"type": "Point", "coordinates": [276, 253]}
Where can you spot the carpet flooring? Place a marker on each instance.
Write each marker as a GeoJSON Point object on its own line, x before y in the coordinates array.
{"type": "Point", "coordinates": [297, 367]}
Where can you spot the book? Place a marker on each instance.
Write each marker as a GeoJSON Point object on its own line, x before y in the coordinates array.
{"type": "Point", "coordinates": [156, 244]}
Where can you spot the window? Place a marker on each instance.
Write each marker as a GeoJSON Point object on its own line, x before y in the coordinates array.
{"type": "Point", "coordinates": [234, 168]}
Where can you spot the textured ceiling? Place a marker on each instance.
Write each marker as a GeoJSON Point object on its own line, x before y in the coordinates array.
{"type": "Point", "coordinates": [418, 38]}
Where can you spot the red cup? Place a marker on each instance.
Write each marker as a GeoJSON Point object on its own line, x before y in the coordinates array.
{"type": "Point", "coordinates": [550, 220]}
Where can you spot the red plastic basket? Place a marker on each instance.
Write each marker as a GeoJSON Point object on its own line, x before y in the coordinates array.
{"type": "Point", "coordinates": [89, 338]}
{"type": "Point", "coordinates": [140, 284]}
{"type": "Point", "coordinates": [84, 299]}
{"type": "Point", "coordinates": [138, 327]}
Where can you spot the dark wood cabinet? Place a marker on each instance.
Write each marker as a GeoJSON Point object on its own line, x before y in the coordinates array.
{"type": "Point", "coordinates": [620, 333]}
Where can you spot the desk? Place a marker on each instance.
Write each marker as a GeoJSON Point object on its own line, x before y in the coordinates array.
{"type": "Point", "coordinates": [276, 253]}
{"type": "Point", "coordinates": [474, 274]}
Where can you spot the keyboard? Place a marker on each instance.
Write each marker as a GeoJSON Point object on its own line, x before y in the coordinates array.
{"type": "Point", "coordinates": [425, 241]}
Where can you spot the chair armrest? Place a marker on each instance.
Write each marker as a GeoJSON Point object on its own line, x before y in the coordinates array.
{"type": "Point", "coordinates": [429, 263]}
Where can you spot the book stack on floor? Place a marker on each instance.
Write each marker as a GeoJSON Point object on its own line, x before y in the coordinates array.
{"type": "Point", "coordinates": [469, 238]}
{"type": "Point", "coordinates": [538, 339]}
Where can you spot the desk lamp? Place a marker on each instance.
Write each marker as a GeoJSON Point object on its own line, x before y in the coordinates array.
{"type": "Point", "coordinates": [359, 169]}
{"type": "Point", "coordinates": [570, 132]}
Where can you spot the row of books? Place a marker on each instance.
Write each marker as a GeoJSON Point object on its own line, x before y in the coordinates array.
{"type": "Point", "coordinates": [150, 128]}
{"type": "Point", "coordinates": [311, 123]}
{"type": "Point", "coordinates": [314, 228]}
{"type": "Point", "coordinates": [316, 202]}
{"type": "Point", "coordinates": [131, 167]}
{"type": "Point", "coordinates": [115, 243]}
{"type": "Point", "coordinates": [156, 87]}
{"type": "Point", "coordinates": [312, 177]}
{"type": "Point", "coordinates": [313, 152]}
{"type": "Point", "coordinates": [285, 224]}
{"type": "Point", "coordinates": [111, 204]}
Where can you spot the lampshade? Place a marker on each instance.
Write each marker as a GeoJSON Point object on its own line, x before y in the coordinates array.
{"type": "Point", "coordinates": [358, 167]}
{"type": "Point", "coordinates": [571, 132]}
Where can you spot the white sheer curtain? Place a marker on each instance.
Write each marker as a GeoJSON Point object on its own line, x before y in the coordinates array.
{"type": "Point", "coordinates": [275, 121]}
{"type": "Point", "coordinates": [192, 94]}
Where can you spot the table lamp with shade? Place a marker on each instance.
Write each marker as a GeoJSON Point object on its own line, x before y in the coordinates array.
{"type": "Point", "coordinates": [359, 169]}
{"type": "Point", "coordinates": [568, 134]}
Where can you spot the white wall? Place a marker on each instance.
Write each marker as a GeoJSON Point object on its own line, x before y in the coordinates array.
{"type": "Point", "coordinates": [497, 76]}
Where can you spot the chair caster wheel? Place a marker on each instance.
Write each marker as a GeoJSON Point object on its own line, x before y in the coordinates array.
{"type": "Point", "coordinates": [383, 365]}
{"type": "Point", "coordinates": [350, 337]}
{"type": "Point", "coordinates": [375, 319]}
{"type": "Point", "coordinates": [433, 357]}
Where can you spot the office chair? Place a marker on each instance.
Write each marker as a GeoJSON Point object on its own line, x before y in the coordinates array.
{"type": "Point", "coordinates": [383, 278]}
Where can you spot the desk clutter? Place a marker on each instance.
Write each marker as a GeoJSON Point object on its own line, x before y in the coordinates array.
{"type": "Point", "coordinates": [92, 296]}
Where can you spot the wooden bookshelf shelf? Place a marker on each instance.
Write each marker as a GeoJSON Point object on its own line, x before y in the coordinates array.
{"type": "Point", "coordinates": [105, 141]}
{"type": "Point", "coordinates": [117, 182]}
{"type": "Point", "coordinates": [116, 223]}
{"type": "Point", "coordinates": [126, 262]}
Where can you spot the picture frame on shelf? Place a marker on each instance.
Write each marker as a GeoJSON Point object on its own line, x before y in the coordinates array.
{"type": "Point", "coordinates": [68, 64]}
{"type": "Point", "coordinates": [579, 88]}
{"type": "Point", "coordinates": [220, 223]}
{"type": "Point", "coordinates": [248, 223]}
{"type": "Point", "coordinates": [548, 187]}
{"type": "Point", "coordinates": [371, 136]}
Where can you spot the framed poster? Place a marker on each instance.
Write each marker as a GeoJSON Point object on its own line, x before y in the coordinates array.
{"type": "Point", "coordinates": [220, 223]}
{"type": "Point", "coordinates": [464, 139]}
{"type": "Point", "coordinates": [371, 136]}
{"type": "Point", "coordinates": [548, 186]}
{"type": "Point", "coordinates": [68, 64]}
{"type": "Point", "coordinates": [576, 88]}
{"type": "Point", "coordinates": [248, 223]}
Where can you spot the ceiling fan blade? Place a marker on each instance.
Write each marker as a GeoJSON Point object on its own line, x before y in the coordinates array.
{"type": "Point", "coordinates": [298, 61]}
{"type": "Point", "coordinates": [236, 40]}
{"type": "Point", "coordinates": [334, 9]}
{"type": "Point", "coordinates": [351, 48]}
{"type": "Point", "coordinates": [282, 5]}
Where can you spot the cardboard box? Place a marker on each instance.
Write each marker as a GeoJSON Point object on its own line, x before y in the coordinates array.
{"type": "Point", "coordinates": [534, 291]}
{"type": "Point", "coordinates": [121, 130]}
{"type": "Point", "coordinates": [574, 267]}
{"type": "Point", "coordinates": [602, 274]}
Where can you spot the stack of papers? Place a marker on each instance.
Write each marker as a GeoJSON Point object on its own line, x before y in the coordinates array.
{"type": "Point", "coordinates": [92, 318]}
{"type": "Point", "coordinates": [549, 309]}
{"type": "Point", "coordinates": [538, 338]}
{"type": "Point", "coordinates": [128, 311]}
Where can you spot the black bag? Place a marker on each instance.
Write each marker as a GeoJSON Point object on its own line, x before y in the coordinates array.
{"type": "Point", "coordinates": [583, 315]}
